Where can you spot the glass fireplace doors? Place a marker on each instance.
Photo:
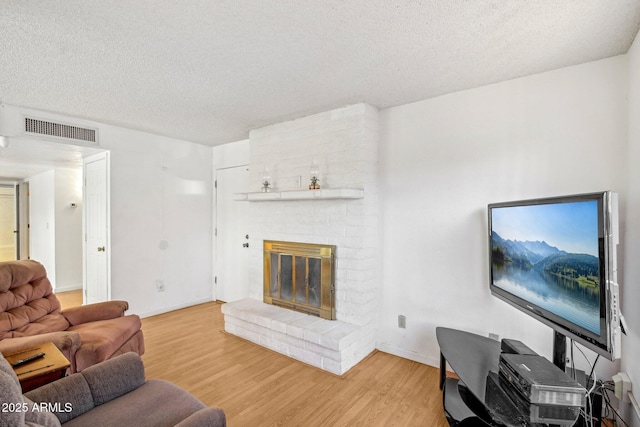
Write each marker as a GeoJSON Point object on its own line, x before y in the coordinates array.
{"type": "Point", "coordinates": [300, 276]}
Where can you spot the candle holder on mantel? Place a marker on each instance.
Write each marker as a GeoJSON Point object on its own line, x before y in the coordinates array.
{"type": "Point", "coordinates": [266, 181]}
{"type": "Point", "coordinates": [315, 173]}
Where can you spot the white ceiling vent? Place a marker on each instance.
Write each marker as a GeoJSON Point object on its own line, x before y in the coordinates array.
{"type": "Point", "coordinates": [48, 128]}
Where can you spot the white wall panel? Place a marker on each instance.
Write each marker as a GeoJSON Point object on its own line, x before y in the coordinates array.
{"type": "Point", "coordinates": [630, 291]}
{"type": "Point", "coordinates": [443, 160]}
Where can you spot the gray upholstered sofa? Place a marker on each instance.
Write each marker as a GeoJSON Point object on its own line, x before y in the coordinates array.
{"type": "Point", "coordinates": [111, 393]}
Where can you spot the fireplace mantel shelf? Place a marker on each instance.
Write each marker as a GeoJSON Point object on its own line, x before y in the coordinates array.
{"type": "Point", "coordinates": [322, 194]}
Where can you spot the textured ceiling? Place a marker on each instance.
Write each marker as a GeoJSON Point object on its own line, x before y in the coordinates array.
{"type": "Point", "coordinates": [210, 71]}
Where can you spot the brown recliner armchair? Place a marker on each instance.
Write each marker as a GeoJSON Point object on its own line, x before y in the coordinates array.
{"type": "Point", "coordinates": [30, 315]}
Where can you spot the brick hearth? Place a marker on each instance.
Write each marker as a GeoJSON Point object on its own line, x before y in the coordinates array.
{"type": "Point", "coordinates": [331, 345]}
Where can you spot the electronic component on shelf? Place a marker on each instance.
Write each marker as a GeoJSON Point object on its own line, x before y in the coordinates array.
{"type": "Point", "coordinates": [515, 347]}
{"type": "Point", "coordinates": [498, 392]}
{"type": "Point", "coordinates": [539, 381]}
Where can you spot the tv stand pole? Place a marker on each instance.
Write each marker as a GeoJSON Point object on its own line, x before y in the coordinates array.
{"type": "Point", "coordinates": [559, 350]}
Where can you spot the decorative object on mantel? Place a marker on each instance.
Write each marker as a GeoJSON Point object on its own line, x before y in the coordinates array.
{"type": "Point", "coordinates": [266, 180]}
{"type": "Point", "coordinates": [315, 176]}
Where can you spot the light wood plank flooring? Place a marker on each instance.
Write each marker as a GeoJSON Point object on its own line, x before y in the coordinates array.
{"type": "Point", "coordinates": [70, 299]}
{"type": "Point", "coordinates": [258, 387]}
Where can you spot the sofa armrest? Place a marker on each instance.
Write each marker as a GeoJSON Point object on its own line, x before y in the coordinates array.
{"type": "Point", "coordinates": [206, 417]}
{"type": "Point", "coordinates": [70, 395]}
{"type": "Point", "coordinates": [79, 393]}
{"type": "Point", "coordinates": [93, 312]}
{"type": "Point", "coordinates": [114, 377]}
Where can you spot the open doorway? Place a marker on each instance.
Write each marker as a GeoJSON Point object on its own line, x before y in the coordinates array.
{"type": "Point", "coordinates": [44, 180]}
{"type": "Point", "coordinates": [55, 225]}
{"type": "Point", "coordinates": [8, 223]}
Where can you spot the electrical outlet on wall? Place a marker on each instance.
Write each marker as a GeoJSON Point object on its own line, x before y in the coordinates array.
{"type": "Point", "coordinates": [160, 285]}
{"type": "Point", "coordinates": [402, 321]}
{"type": "Point", "coordinates": [622, 386]}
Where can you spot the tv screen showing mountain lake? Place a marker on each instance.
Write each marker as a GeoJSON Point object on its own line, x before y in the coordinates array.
{"type": "Point", "coordinates": [548, 255]}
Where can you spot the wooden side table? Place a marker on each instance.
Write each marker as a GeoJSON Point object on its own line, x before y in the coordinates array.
{"type": "Point", "coordinates": [49, 368]}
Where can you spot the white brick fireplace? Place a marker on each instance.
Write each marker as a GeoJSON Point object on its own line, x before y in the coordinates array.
{"type": "Point", "coordinates": [344, 143]}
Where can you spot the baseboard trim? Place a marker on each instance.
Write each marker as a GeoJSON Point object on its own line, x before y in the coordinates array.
{"type": "Point", "coordinates": [60, 289]}
{"type": "Point", "coordinates": [407, 354]}
{"type": "Point", "coordinates": [174, 307]}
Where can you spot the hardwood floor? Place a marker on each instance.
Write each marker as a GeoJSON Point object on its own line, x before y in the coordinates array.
{"type": "Point", "coordinates": [258, 387]}
{"type": "Point", "coordinates": [69, 299]}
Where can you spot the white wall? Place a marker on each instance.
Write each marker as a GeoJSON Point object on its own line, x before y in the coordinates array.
{"type": "Point", "coordinates": [68, 229]}
{"type": "Point", "coordinates": [232, 154]}
{"type": "Point", "coordinates": [55, 232]}
{"type": "Point", "coordinates": [443, 160]}
{"type": "Point", "coordinates": [42, 219]}
{"type": "Point", "coordinates": [631, 273]}
{"type": "Point", "coordinates": [160, 198]}
{"type": "Point", "coordinates": [160, 195]}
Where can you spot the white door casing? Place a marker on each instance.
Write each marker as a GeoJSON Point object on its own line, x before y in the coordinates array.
{"type": "Point", "coordinates": [96, 224]}
{"type": "Point", "coordinates": [232, 238]}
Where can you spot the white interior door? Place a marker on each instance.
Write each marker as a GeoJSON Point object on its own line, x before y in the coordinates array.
{"type": "Point", "coordinates": [232, 242]}
{"type": "Point", "coordinates": [96, 227]}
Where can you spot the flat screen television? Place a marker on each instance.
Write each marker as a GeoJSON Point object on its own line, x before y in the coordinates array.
{"type": "Point", "coordinates": [555, 259]}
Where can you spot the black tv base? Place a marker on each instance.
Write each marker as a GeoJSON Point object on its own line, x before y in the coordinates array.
{"type": "Point", "coordinates": [476, 399]}
{"type": "Point", "coordinates": [455, 408]}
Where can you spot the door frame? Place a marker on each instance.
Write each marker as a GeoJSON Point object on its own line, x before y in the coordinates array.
{"type": "Point", "coordinates": [100, 156]}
